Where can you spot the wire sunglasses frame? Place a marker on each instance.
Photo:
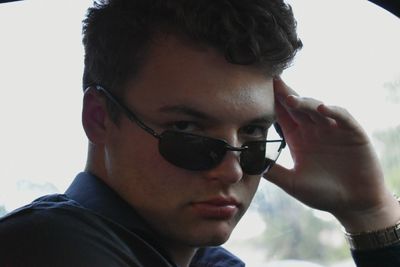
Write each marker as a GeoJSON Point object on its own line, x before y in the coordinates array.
{"type": "Point", "coordinates": [196, 153]}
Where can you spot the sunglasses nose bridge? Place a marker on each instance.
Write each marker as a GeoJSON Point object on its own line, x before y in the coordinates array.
{"type": "Point", "coordinates": [233, 148]}
{"type": "Point", "coordinates": [236, 150]}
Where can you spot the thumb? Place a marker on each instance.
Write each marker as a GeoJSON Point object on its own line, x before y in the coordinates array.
{"type": "Point", "coordinates": [280, 176]}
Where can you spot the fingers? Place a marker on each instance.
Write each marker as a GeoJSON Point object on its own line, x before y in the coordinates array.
{"type": "Point", "coordinates": [342, 117]}
{"type": "Point", "coordinates": [284, 118]}
{"type": "Point", "coordinates": [304, 113]}
{"type": "Point", "coordinates": [280, 176]}
{"type": "Point", "coordinates": [282, 89]}
{"type": "Point", "coordinates": [307, 110]}
{"type": "Point", "coordinates": [300, 110]}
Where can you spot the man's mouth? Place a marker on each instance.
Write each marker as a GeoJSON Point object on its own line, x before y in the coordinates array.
{"type": "Point", "coordinates": [217, 208]}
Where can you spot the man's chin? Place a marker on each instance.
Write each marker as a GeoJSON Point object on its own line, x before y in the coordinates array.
{"type": "Point", "coordinates": [217, 240]}
{"type": "Point", "coordinates": [202, 233]}
{"type": "Point", "coordinates": [212, 238]}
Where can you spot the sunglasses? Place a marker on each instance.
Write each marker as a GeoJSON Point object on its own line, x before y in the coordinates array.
{"type": "Point", "coordinates": [199, 153]}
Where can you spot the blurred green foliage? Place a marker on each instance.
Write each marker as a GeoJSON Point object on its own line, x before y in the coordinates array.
{"type": "Point", "coordinates": [294, 231]}
{"type": "Point", "coordinates": [389, 141]}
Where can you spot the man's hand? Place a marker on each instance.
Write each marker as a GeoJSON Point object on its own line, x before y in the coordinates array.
{"type": "Point", "coordinates": [335, 166]}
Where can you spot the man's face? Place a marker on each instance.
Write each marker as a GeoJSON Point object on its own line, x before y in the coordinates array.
{"type": "Point", "coordinates": [193, 90]}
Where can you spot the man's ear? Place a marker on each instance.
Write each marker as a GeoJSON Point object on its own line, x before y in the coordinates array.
{"type": "Point", "coordinates": [94, 116]}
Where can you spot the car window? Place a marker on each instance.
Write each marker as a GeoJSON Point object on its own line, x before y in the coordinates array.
{"type": "Point", "coordinates": [350, 58]}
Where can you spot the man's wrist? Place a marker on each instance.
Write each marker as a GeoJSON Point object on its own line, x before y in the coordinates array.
{"type": "Point", "coordinates": [377, 231]}
{"type": "Point", "coordinates": [374, 239]}
{"type": "Point", "coordinates": [382, 216]}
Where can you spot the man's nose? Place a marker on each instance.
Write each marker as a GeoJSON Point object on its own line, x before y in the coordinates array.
{"type": "Point", "coordinates": [228, 171]}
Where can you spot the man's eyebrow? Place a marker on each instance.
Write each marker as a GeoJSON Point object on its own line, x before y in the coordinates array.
{"type": "Point", "coordinates": [186, 110]}
{"type": "Point", "coordinates": [192, 112]}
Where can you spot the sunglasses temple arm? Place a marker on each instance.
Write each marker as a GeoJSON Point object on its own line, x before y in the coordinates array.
{"type": "Point", "coordinates": [129, 113]}
{"type": "Point", "coordinates": [283, 144]}
{"type": "Point", "coordinates": [280, 132]}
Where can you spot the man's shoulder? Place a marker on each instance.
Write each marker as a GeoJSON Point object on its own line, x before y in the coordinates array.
{"type": "Point", "coordinates": [57, 231]}
{"type": "Point", "coordinates": [46, 207]}
{"type": "Point", "coordinates": [45, 214]}
{"type": "Point", "coordinates": [53, 231]}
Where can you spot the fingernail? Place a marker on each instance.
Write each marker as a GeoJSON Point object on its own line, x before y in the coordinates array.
{"type": "Point", "coordinates": [291, 100]}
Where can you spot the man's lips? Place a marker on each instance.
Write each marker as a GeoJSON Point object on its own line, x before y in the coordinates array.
{"type": "Point", "coordinates": [218, 208]}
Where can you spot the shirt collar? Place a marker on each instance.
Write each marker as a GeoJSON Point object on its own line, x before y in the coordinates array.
{"type": "Point", "coordinates": [95, 195]}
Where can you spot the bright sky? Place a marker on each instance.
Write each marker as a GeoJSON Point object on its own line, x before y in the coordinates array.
{"type": "Point", "coordinates": [351, 50]}
{"type": "Point", "coordinates": [40, 68]}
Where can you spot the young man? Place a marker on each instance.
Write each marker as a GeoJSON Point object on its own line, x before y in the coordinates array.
{"type": "Point", "coordinates": [179, 99]}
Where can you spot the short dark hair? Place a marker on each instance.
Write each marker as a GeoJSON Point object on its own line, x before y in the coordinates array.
{"type": "Point", "coordinates": [118, 33]}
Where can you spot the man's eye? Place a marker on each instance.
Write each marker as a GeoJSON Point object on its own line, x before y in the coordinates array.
{"type": "Point", "coordinates": [183, 126]}
{"type": "Point", "coordinates": [256, 131]}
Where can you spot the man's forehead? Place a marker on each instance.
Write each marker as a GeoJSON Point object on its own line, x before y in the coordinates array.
{"type": "Point", "coordinates": [201, 80]}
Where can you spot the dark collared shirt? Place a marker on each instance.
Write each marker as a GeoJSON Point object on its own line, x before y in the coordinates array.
{"type": "Point", "coordinates": [89, 225]}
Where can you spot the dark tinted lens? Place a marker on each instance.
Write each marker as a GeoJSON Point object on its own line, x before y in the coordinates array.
{"type": "Point", "coordinates": [254, 159]}
{"type": "Point", "coordinates": [191, 152]}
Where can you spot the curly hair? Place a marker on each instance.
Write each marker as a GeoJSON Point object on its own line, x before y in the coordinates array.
{"type": "Point", "coordinates": [117, 34]}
